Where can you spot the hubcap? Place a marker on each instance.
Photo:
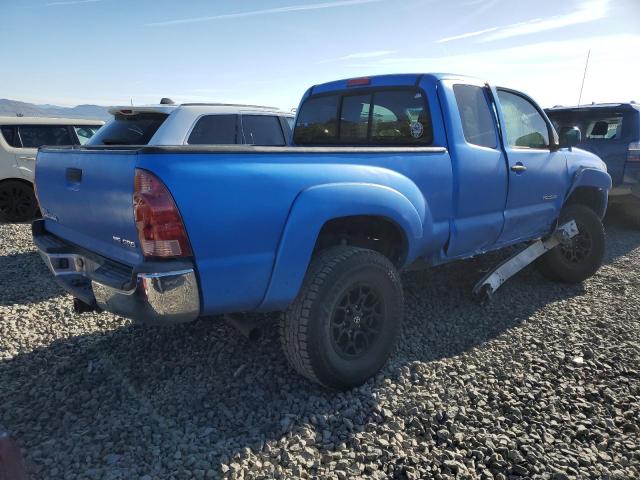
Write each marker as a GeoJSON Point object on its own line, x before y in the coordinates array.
{"type": "Point", "coordinates": [578, 248]}
{"type": "Point", "coordinates": [356, 321]}
{"type": "Point", "coordinates": [15, 202]}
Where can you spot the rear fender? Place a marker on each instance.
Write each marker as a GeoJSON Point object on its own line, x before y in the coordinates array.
{"type": "Point", "coordinates": [316, 206]}
{"type": "Point", "coordinates": [595, 179]}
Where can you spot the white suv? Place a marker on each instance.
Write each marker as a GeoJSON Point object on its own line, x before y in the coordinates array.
{"type": "Point", "coordinates": [196, 124]}
{"type": "Point", "coordinates": [20, 138]}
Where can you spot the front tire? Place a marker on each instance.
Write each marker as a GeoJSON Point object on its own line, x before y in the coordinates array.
{"type": "Point", "coordinates": [341, 328]}
{"type": "Point", "coordinates": [17, 201]}
{"type": "Point", "coordinates": [582, 256]}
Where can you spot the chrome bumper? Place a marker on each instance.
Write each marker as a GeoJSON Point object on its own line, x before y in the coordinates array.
{"type": "Point", "coordinates": [168, 297]}
{"type": "Point", "coordinates": [157, 297]}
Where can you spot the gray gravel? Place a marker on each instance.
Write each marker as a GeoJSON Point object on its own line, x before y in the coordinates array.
{"type": "Point", "coordinates": [542, 383]}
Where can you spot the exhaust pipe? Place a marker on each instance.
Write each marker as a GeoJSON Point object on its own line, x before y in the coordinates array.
{"type": "Point", "coordinates": [80, 307]}
{"type": "Point", "coordinates": [249, 327]}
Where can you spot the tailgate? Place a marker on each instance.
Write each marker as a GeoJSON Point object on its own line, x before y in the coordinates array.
{"type": "Point", "coordinates": [86, 198]}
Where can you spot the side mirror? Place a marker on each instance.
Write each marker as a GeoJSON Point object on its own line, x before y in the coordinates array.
{"type": "Point", "coordinates": [570, 137]}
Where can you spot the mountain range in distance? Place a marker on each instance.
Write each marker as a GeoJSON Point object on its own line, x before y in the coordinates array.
{"type": "Point", "coordinates": [14, 108]}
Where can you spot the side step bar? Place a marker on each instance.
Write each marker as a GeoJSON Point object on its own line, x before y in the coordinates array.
{"type": "Point", "coordinates": [491, 282]}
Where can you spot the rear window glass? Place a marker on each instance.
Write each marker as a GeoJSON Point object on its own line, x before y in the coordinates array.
{"type": "Point", "coordinates": [262, 130]}
{"type": "Point", "coordinates": [215, 130]}
{"type": "Point", "coordinates": [592, 125]}
{"type": "Point", "coordinates": [35, 136]}
{"type": "Point", "coordinates": [477, 121]}
{"type": "Point", "coordinates": [318, 120]}
{"type": "Point", "coordinates": [376, 117]}
{"type": "Point", "coordinates": [9, 134]}
{"type": "Point", "coordinates": [135, 129]}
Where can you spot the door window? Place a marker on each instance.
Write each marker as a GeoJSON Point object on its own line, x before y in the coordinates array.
{"type": "Point", "coordinates": [35, 136]}
{"type": "Point", "coordinates": [524, 125]}
{"type": "Point", "coordinates": [477, 121]}
{"type": "Point", "coordinates": [215, 130]}
{"type": "Point", "coordinates": [262, 130]}
{"type": "Point", "coordinates": [9, 134]}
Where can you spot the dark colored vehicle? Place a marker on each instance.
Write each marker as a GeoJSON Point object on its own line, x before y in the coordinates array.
{"type": "Point", "coordinates": [611, 131]}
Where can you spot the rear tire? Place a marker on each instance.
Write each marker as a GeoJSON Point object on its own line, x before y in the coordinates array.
{"type": "Point", "coordinates": [343, 325]}
{"type": "Point", "coordinates": [17, 201]}
{"type": "Point", "coordinates": [582, 256]}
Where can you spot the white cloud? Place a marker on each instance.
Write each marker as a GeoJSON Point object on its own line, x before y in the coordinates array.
{"type": "Point", "coordinates": [360, 55]}
{"type": "Point", "coordinates": [587, 12]}
{"type": "Point", "coordinates": [268, 11]}
{"type": "Point", "coordinates": [71, 2]}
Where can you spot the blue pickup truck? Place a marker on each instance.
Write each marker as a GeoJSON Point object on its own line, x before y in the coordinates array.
{"type": "Point", "coordinates": [611, 131]}
{"type": "Point", "coordinates": [386, 172]}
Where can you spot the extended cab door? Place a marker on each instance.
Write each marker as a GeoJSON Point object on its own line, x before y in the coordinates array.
{"type": "Point", "coordinates": [537, 173]}
{"type": "Point", "coordinates": [479, 167]}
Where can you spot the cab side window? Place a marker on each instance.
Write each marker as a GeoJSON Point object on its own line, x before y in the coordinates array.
{"type": "Point", "coordinates": [477, 120]}
{"type": "Point", "coordinates": [525, 127]}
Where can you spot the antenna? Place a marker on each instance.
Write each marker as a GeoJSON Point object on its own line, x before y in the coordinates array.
{"type": "Point", "coordinates": [586, 65]}
{"type": "Point", "coordinates": [132, 101]}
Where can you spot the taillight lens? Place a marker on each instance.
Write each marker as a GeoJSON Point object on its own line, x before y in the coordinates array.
{"type": "Point", "coordinates": [160, 228]}
{"type": "Point", "coordinates": [634, 152]}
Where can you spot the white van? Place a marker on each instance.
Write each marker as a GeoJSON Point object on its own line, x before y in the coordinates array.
{"type": "Point", "coordinates": [20, 138]}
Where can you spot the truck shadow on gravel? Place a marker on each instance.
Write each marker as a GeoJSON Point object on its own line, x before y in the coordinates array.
{"type": "Point", "coordinates": [134, 401]}
{"type": "Point", "coordinates": [25, 265]}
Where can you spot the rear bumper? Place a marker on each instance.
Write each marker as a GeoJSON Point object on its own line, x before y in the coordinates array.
{"type": "Point", "coordinates": [161, 293]}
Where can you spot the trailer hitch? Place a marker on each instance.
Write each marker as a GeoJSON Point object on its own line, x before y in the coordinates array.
{"type": "Point", "coordinates": [484, 290]}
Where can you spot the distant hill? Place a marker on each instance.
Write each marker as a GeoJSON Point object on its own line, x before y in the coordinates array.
{"type": "Point", "coordinates": [13, 107]}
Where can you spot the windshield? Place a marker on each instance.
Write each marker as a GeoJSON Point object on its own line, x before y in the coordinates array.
{"type": "Point", "coordinates": [134, 129]}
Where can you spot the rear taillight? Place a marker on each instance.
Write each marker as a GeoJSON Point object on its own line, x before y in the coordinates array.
{"type": "Point", "coordinates": [634, 152]}
{"type": "Point", "coordinates": [160, 228]}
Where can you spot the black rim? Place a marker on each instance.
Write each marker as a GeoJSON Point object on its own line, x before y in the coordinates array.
{"type": "Point", "coordinates": [356, 321]}
{"type": "Point", "coordinates": [15, 202]}
{"type": "Point", "coordinates": [579, 248]}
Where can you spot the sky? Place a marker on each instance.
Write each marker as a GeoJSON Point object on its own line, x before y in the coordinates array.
{"type": "Point", "coordinates": [113, 52]}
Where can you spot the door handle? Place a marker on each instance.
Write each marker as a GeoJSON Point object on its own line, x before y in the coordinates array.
{"type": "Point", "coordinates": [74, 175]}
{"type": "Point", "coordinates": [26, 157]}
{"type": "Point", "coordinates": [518, 168]}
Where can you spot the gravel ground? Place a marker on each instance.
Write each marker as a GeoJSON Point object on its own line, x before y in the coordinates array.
{"type": "Point", "coordinates": [544, 382]}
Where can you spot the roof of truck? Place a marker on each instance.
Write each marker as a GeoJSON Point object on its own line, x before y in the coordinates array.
{"type": "Point", "coordinates": [209, 108]}
{"type": "Point", "coordinates": [47, 121]}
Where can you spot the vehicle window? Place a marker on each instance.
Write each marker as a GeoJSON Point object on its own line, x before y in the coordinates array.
{"type": "Point", "coordinates": [35, 136]}
{"type": "Point", "coordinates": [134, 129]}
{"type": "Point", "coordinates": [317, 121]}
{"type": "Point", "coordinates": [400, 117]}
{"type": "Point", "coordinates": [524, 125]}
{"type": "Point", "coordinates": [354, 118]}
{"type": "Point", "coordinates": [9, 134]}
{"type": "Point", "coordinates": [262, 130]}
{"type": "Point", "coordinates": [85, 132]}
{"type": "Point", "coordinates": [477, 121]}
{"type": "Point", "coordinates": [381, 117]}
{"type": "Point", "coordinates": [604, 128]}
{"type": "Point", "coordinates": [291, 121]}
{"type": "Point", "coordinates": [215, 130]}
